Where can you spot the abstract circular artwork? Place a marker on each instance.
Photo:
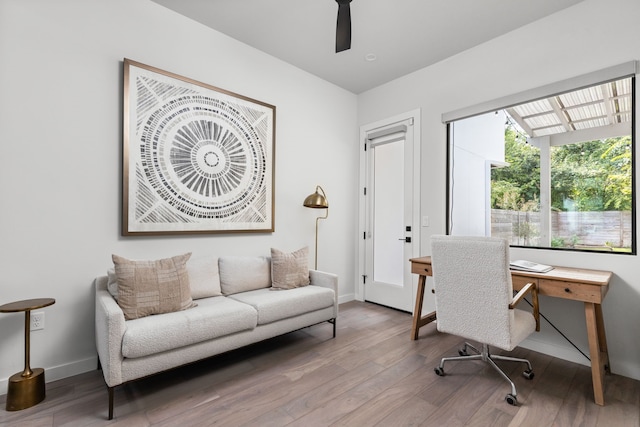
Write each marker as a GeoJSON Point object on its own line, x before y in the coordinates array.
{"type": "Point", "coordinates": [198, 159]}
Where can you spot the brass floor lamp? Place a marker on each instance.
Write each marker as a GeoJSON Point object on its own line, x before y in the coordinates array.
{"type": "Point", "coordinates": [317, 201]}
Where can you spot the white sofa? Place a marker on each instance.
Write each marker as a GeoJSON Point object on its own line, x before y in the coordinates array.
{"type": "Point", "coordinates": [235, 305]}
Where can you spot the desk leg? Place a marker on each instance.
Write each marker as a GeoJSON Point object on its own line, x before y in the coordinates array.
{"type": "Point", "coordinates": [602, 338]}
{"type": "Point", "coordinates": [417, 312]}
{"type": "Point", "coordinates": [418, 319]}
{"type": "Point", "coordinates": [597, 349]}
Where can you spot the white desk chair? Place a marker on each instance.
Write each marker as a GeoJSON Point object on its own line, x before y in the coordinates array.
{"type": "Point", "coordinates": [474, 300]}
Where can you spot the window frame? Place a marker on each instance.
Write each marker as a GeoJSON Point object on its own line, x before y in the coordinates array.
{"type": "Point", "coordinates": [626, 70]}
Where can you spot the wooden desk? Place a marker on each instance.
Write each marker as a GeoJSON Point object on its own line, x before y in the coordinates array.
{"type": "Point", "coordinates": [588, 286]}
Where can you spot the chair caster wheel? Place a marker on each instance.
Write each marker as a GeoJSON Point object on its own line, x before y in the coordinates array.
{"type": "Point", "coordinates": [511, 400]}
{"type": "Point", "coordinates": [439, 371]}
{"type": "Point", "coordinates": [463, 352]}
{"type": "Point", "coordinates": [528, 374]}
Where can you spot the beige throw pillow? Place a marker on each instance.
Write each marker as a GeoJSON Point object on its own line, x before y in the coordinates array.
{"type": "Point", "coordinates": [289, 270]}
{"type": "Point", "coordinates": [152, 287]}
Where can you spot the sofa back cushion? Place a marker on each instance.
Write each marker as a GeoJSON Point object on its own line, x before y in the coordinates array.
{"type": "Point", "coordinates": [241, 274]}
{"type": "Point", "coordinates": [204, 277]}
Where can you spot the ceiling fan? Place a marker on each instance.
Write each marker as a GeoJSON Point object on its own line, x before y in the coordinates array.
{"type": "Point", "coordinates": [343, 27]}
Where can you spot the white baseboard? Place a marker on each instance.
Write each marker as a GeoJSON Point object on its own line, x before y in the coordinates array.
{"type": "Point", "coordinates": [62, 371]}
{"type": "Point", "coordinates": [572, 355]}
{"type": "Point", "coordinates": [81, 366]}
{"type": "Point", "coordinates": [566, 353]}
{"type": "Point", "coordinates": [346, 298]}
{"type": "Point", "coordinates": [55, 373]}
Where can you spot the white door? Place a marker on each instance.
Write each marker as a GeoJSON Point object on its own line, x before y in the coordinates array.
{"type": "Point", "coordinates": [391, 233]}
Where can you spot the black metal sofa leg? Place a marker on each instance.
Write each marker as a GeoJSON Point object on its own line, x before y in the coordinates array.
{"type": "Point", "coordinates": [333, 322]}
{"type": "Point", "coordinates": [111, 402]}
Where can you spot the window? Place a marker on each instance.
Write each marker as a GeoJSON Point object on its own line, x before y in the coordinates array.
{"type": "Point", "coordinates": [552, 172]}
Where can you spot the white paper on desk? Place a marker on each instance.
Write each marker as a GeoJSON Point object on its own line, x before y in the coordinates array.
{"type": "Point", "coordinates": [534, 267]}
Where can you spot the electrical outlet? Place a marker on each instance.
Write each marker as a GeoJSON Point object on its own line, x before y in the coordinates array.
{"type": "Point", "coordinates": [37, 320]}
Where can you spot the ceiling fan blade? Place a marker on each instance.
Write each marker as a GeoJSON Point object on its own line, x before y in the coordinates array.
{"type": "Point", "coordinates": [343, 28]}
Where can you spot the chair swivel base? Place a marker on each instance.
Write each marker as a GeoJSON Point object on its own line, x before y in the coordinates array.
{"type": "Point", "coordinates": [486, 356]}
{"type": "Point", "coordinates": [25, 391]}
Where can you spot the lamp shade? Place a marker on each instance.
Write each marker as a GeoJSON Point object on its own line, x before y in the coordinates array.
{"type": "Point", "coordinates": [316, 200]}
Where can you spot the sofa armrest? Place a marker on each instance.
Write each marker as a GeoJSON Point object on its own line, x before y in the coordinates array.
{"type": "Point", "coordinates": [110, 328]}
{"type": "Point", "coordinates": [326, 280]}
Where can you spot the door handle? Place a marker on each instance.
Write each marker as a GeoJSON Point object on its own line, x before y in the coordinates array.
{"type": "Point", "coordinates": [406, 239]}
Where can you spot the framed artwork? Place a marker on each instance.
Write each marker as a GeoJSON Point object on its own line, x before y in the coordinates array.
{"type": "Point", "coordinates": [196, 158]}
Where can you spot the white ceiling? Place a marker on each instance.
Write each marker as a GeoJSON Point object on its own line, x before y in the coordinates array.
{"type": "Point", "coordinates": [404, 35]}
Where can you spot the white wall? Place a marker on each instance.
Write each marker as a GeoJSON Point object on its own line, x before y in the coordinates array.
{"type": "Point", "coordinates": [572, 42]}
{"type": "Point", "coordinates": [477, 141]}
{"type": "Point", "coordinates": [60, 179]}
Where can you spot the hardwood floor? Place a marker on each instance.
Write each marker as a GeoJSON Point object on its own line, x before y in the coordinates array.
{"type": "Point", "coordinates": [371, 374]}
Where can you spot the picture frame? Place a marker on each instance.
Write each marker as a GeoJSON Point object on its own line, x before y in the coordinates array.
{"type": "Point", "coordinates": [196, 158]}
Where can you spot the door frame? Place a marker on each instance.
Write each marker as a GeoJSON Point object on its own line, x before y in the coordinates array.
{"type": "Point", "coordinates": [414, 116]}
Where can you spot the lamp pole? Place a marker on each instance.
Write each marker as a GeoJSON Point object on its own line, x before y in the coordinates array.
{"type": "Point", "coordinates": [317, 201]}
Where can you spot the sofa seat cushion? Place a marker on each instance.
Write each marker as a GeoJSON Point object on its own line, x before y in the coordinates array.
{"type": "Point", "coordinates": [273, 305]}
{"type": "Point", "coordinates": [212, 318]}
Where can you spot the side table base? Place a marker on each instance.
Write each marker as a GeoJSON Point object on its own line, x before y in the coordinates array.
{"type": "Point", "coordinates": [24, 392]}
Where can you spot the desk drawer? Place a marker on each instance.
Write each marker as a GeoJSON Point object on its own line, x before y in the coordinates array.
{"type": "Point", "coordinates": [421, 269]}
{"type": "Point", "coordinates": [571, 290]}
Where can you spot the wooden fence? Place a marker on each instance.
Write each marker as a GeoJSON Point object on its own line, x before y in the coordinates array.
{"type": "Point", "coordinates": [589, 229]}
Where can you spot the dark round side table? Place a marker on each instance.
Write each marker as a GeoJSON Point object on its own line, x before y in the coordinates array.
{"type": "Point", "coordinates": [26, 388]}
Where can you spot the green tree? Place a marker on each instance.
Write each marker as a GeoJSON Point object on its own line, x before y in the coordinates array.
{"type": "Point", "coordinates": [593, 175]}
{"type": "Point", "coordinates": [586, 176]}
{"type": "Point", "coordinates": [519, 183]}
{"type": "Point", "coordinates": [618, 186]}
